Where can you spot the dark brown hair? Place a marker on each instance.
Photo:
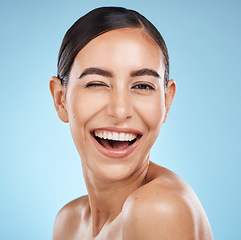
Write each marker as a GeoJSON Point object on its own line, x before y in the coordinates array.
{"type": "Point", "coordinates": [97, 22]}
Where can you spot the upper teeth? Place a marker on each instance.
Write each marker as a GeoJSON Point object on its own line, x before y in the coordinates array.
{"type": "Point", "coordinates": [115, 135]}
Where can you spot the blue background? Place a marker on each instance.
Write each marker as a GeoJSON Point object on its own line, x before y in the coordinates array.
{"type": "Point", "coordinates": [40, 169]}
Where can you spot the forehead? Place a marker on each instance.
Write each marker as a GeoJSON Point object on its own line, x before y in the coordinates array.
{"type": "Point", "coordinates": [123, 49]}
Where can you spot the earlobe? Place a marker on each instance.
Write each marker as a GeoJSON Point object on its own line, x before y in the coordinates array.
{"type": "Point", "coordinates": [169, 96]}
{"type": "Point", "coordinates": [58, 94]}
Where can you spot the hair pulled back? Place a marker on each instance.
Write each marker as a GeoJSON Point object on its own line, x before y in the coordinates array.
{"type": "Point", "coordinates": [97, 22]}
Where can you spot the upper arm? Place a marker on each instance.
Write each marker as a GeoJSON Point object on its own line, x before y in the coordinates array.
{"type": "Point", "coordinates": [158, 221]}
{"type": "Point", "coordinates": [162, 215]}
{"type": "Point", "coordinates": [67, 222]}
{"type": "Point", "coordinates": [58, 226]}
{"type": "Point", "coordinates": [62, 228]}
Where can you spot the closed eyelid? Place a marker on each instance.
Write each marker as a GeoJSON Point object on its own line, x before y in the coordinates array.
{"type": "Point", "coordinates": [97, 84]}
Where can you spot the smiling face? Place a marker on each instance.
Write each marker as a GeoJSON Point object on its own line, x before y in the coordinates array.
{"type": "Point", "coordinates": [116, 103]}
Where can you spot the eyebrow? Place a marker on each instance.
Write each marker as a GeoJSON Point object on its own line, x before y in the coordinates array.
{"type": "Point", "coordinates": [105, 73]}
{"type": "Point", "coordinates": [96, 71]}
{"type": "Point", "coordinates": [145, 72]}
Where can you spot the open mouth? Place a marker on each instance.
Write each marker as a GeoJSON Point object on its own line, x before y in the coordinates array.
{"type": "Point", "coordinates": [115, 140]}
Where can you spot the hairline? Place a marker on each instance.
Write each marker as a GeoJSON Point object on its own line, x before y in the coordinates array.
{"type": "Point", "coordinates": [141, 28]}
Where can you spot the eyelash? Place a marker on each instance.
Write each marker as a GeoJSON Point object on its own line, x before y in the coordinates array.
{"type": "Point", "coordinates": [96, 85]}
{"type": "Point", "coordinates": [144, 86]}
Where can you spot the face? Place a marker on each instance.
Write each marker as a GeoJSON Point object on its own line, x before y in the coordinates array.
{"type": "Point", "coordinates": [116, 103]}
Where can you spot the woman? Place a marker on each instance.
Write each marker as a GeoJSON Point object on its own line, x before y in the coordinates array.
{"type": "Point", "coordinates": [113, 89]}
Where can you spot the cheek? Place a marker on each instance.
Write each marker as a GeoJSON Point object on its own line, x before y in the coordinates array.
{"type": "Point", "coordinates": [82, 107]}
{"type": "Point", "coordinates": [152, 111]}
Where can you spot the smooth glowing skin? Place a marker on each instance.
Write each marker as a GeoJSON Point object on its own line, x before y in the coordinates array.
{"type": "Point", "coordinates": [128, 196]}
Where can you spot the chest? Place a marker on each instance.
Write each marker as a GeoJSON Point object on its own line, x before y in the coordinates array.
{"type": "Point", "coordinates": [111, 231]}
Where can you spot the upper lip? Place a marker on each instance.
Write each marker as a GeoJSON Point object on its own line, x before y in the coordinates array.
{"type": "Point", "coordinates": [114, 129]}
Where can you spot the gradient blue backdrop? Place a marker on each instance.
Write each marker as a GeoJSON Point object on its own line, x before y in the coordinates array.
{"type": "Point", "coordinates": [40, 169]}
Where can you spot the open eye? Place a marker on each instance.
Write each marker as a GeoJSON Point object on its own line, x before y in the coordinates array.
{"type": "Point", "coordinates": [143, 86]}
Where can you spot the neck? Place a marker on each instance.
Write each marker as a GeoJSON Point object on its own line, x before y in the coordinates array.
{"type": "Point", "coordinates": [108, 197]}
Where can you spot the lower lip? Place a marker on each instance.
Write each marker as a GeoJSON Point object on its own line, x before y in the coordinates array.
{"type": "Point", "coordinates": [116, 153]}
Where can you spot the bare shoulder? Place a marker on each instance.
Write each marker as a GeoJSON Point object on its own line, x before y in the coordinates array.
{"type": "Point", "coordinates": [69, 218]}
{"type": "Point", "coordinates": [165, 207]}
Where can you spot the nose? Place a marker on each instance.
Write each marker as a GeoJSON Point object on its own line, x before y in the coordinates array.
{"type": "Point", "coordinates": [120, 105]}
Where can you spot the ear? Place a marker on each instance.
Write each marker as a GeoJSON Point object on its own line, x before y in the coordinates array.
{"type": "Point", "coordinates": [58, 94]}
{"type": "Point", "coordinates": [169, 96]}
